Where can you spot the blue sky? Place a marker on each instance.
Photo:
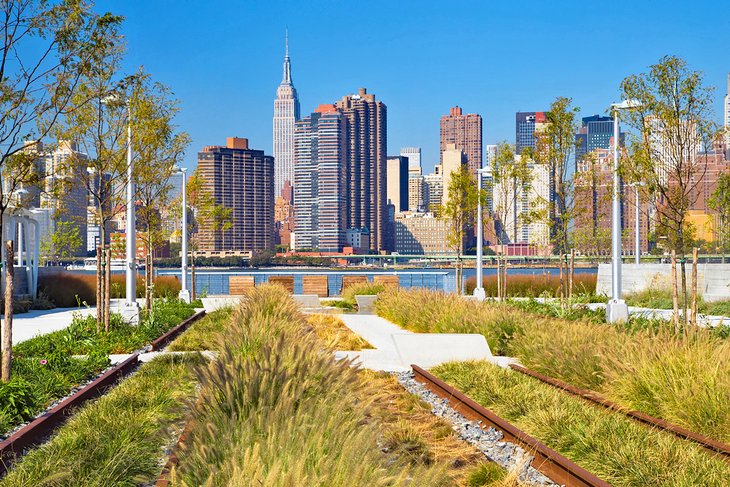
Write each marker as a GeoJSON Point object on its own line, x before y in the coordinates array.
{"type": "Point", "coordinates": [223, 58]}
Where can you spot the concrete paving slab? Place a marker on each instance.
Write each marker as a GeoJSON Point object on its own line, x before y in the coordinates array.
{"type": "Point", "coordinates": [396, 349]}
{"type": "Point", "coordinates": [213, 303]}
{"type": "Point", "coordinates": [307, 300]}
{"type": "Point", "coordinates": [431, 349]}
{"type": "Point", "coordinates": [39, 322]}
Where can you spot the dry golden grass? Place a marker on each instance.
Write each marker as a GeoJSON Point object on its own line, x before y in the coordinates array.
{"type": "Point", "coordinates": [335, 335]}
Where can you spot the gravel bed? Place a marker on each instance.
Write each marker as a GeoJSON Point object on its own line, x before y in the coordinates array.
{"type": "Point", "coordinates": [489, 441]}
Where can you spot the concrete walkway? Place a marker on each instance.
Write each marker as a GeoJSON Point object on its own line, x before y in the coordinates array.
{"type": "Point", "coordinates": [39, 322]}
{"type": "Point", "coordinates": [666, 314]}
{"type": "Point", "coordinates": [396, 349]}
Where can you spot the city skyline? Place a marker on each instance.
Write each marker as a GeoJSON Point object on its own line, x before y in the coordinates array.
{"type": "Point", "coordinates": [501, 72]}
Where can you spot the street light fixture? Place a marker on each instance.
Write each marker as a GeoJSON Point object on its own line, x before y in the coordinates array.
{"type": "Point", "coordinates": [184, 294]}
{"type": "Point", "coordinates": [616, 308]}
{"type": "Point", "coordinates": [130, 310]}
{"type": "Point", "coordinates": [637, 248]}
{"type": "Point", "coordinates": [479, 292]}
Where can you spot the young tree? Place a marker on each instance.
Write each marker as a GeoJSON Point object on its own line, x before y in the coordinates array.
{"type": "Point", "coordinates": [510, 177]}
{"type": "Point", "coordinates": [160, 148]}
{"type": "Point", "coordinates": [555, 148]}
{"type": "Point", "coordinates": [64, 242]}
{"type": "Point", "coordinates": [460, 210]}
{"type": "Point", "coordinates": [47, 46]}
{"type": "Point", "coordinates": [202, 207]}
{"type": "Point", "coordinates": [720, 203]}
{"type": "Point", "coordinates": [674, 124]}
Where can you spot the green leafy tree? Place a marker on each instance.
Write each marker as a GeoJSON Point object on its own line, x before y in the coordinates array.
{"type": "Point", "coordinates": [720, 203]}
{"type": "Point", "coordinates": [63, 243]}
{"type": "Point", "coordinates": [555, 148]}
{"type": "Point", "coordinates": [673, 121]}
{"type": "Point", "coordinates": [460, 211]}
{"type": "Point", "coordinates": [511, 176]}
{"type": "Point", "coordinates": [47, 47]}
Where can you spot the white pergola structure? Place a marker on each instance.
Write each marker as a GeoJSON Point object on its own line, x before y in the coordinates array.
{"type": "Point", "coordinates": [23, 228]}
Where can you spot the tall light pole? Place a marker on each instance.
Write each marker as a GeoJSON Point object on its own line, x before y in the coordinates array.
{"type": "Point", "coordinates": [479, 292]}
{"type": "Point", "coordinates": [131, 311]}
{"type": "Point", "coordinates": [616, 309]}
{"type": "Point", "coordinates": [637, 226]}
{"type": "Point", "coordinates": [184, 292]}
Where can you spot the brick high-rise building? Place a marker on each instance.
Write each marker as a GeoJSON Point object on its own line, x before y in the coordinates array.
{"type": "Point", "coordinates": [320, 181]}
{"type": "Point", "coordinates": [465, 132]}
{"type": "Point", "coordinates": [242, 180]}
{"type": "Point", "coordinates": [365, 184]}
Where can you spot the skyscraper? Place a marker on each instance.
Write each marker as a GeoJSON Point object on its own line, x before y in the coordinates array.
{"type": "Point", "coordinates": [365, 189]}
{"type": "Point", "coordinates": [397, 182]}
{"type": "Point", "coordinates": [320, 178]}
{"type": "Point", "coordinates": [452, 159]}
{"type": "Point", "coordinates": [242, 180]}
{"type": "Point", "coordinates": [286, 113]}
{"type": "Point", "coordinates": [414, 158]}
{"type": "Point", "coordinates": [595, 132]}
{"type": "Point", "coordinates": [525, 125]}
{"type": "Point", "coordinates": [465, 132]}
{"type": "Point", "coordinates": [727, 117]}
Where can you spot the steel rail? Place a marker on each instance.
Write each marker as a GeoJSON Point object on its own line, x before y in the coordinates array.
{"type": "Point", "coordinates": [37, 431]}
{"type": "Point", "coordinates": [715, 446]}
{"type": "Point", "coordinates": [547, 461]}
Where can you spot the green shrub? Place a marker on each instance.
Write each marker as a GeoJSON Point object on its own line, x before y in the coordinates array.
{"type": "Point", "coordinates": [361, 288]}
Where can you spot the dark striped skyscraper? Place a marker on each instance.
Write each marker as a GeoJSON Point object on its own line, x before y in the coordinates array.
{"type": "Point", "coordinates": [365, 185]}
{"type": "Point", "coordinates": [242, 180]}
{"type": "Point", "coordinates": [320, 216]}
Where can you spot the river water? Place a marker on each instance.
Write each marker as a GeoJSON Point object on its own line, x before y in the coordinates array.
{"type": "Point", "coordinates": [215, 281]}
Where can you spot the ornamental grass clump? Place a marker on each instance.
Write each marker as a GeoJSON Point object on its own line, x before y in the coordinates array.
{"type": "Point", "coordinates": [276, 410]}
{"type": "Point", "coordinates": [682, 377]}
{"type": "Point", "coordinates": [334, 334]}
{"type": "Point", "coordinates": [606, 443]}
{"type": "Point", "coordinates": [361, 289]}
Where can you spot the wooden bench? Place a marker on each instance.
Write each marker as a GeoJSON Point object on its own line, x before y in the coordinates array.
{"type": "Point", "coordinates": [239, 285]}
{"type": "Point", "coordinates": [386, 280]}
{"type": "Point", "coordinates": [348, 280]}
{"type": "Point", "coordinates": [286, 281]}
{"type": "Point", "coordinates": [315, 285]}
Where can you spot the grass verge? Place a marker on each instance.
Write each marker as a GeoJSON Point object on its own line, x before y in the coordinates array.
{"type": "Point", "coordinates": [333, 332]}
{"type": "Point", "coordinates": [118, 439]}
{"type": "Point", "coordinates": [203, 334]}
{"type": "Point", "coordinates": [606, 443]}
{"type": "Point", "coordinates": [278, 411]}
{"type": "Point", "coordinates": [681, 377]}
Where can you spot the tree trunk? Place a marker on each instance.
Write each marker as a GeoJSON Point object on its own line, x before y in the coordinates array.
{"type": "Point", "coordinates": [683, 269]}
{"type": "Point", "coordinates": [193, 296]}
{"type": "Point", "coordinates": [7, 338]}
{"type": "Point", "coordinates": [560, 284]}
{"type": "Point", "coordinates": [571, 274]}
{"type": "Point", "coordinates": [499, 277]}
{"type": "Point", "coordinates": [693, 317]}
{"type": "Point", "coordinates": [675, 298]}
{"type": "Point", "coordinates": [108, 288]}
{"type": "Point", "coordinates": [504, 277]}
{"type": "Point", "coordinates": [99, 287]}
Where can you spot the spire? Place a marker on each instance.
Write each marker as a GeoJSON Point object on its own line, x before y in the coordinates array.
{"type": "Point", "coordinates": [286, 79]}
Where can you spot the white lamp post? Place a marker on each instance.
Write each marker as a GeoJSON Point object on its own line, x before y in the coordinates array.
{"type": "Point", "coordinates": [616, 309]}
{"type": "Point", "coordinates": [184, 292]}
{"type": "Point", "coordinates": [130, 310]}
{"type": "Point", "coordinates": [479, 292]}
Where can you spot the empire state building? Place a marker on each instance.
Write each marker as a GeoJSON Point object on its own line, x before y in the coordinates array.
{"type": "Point", "coordinates": [286, 112]}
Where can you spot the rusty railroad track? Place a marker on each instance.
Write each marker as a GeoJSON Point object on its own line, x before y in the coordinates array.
{"type": "Point", "coordinates": [722, 449]}
{"type": "Point", "coordinates": [40, 429]}
{"type": "Point", "coordinates": [547, 461]}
